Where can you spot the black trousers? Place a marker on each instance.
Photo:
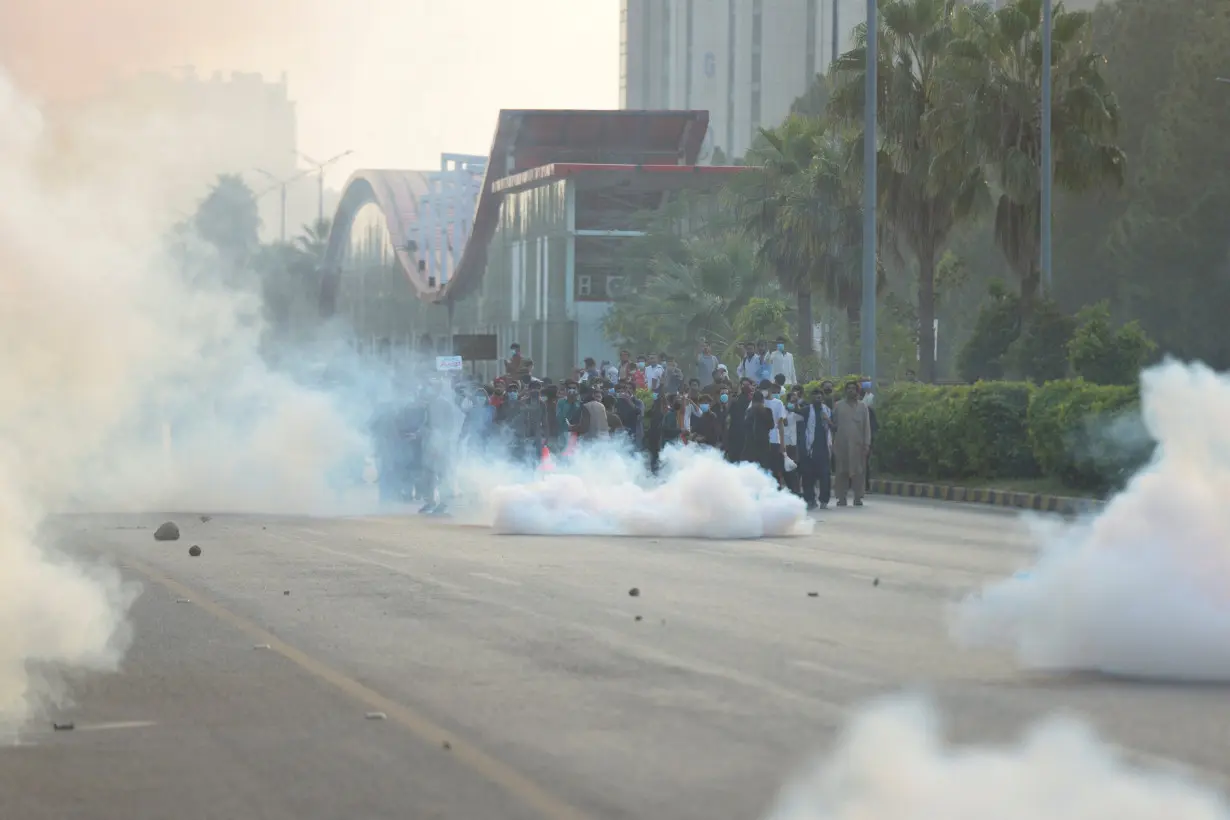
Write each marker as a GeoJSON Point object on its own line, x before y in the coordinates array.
{"type": "Point", "coordinates": [816, 472]}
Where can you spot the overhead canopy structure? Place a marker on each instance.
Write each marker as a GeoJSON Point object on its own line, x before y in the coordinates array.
{"type": "Point", "coordinates": [529, 140]}
{"type": "Point", "coordinates": [440, 223]}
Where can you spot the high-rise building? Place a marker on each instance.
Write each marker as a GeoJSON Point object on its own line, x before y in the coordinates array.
{"type": "Point", "coordinates": [744, 61]}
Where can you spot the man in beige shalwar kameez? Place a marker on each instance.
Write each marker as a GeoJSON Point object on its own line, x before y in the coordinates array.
{"type": "Point", "coordinates": [851, 444]}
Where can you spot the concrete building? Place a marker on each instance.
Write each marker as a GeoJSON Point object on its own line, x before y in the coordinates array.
{"type": "Point", "coordinates": [184, 129]}
{"type": "Point", "coordinates": [744, 61]}
{"type": "Point", "coordinates": [519, 246]}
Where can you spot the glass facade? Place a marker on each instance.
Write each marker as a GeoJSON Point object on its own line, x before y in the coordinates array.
{"type": "Point", "coordinates": [374, 295]}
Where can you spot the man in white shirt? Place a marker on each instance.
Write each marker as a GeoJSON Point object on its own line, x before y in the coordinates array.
{"type": "Point", "coordinates": [653, 373]}
{"type": "Point", "coordinates": [782, 362]}
{"type": "Point", "coordinates": [777, 443]}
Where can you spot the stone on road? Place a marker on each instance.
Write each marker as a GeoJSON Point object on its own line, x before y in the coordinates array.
{"type": "Point", "coordinates": [518, 656]}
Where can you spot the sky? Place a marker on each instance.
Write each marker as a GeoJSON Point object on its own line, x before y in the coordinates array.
{"type": "Point", "coordinates": [396, 81]}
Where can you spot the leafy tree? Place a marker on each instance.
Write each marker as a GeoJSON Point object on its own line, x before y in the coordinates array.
{"type": "Point", "coordinates": [1039, 353]}
{"type": "Point", "coordinates": [993, 84]}
{"type": "Point", "coordinates": [229, 219]}
{"type": "Point", "coordinates": [997, 327]}
{"type": "Point", "coordinates": [927, 183]}
{"type": "Point", "coordinates": [699, 294]}
{"type": "Point", "coordinates": [1102, 354]}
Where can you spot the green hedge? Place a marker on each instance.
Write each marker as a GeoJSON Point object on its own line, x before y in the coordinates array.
{"type": "Point", "coordinates": [1088, 436]}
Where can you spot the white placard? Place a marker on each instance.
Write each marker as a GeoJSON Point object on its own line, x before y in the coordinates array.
{"type": "Point", "coordinates": [448, 363]}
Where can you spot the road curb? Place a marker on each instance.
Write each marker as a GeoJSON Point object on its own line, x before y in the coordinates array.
{"type": "Point", "coordinates": [1040, 502]}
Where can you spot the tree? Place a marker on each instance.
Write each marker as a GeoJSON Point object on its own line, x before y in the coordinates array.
{"type": "Point", "coordinates": [927, 183]}
{"type": "Point", "coordinates": [1103, 354]}
{"type": "Point", "coordinates": [993, 81]}
{"type": "Point", "coordinates": [699, 294]}
{"type": "Point", "coordinates": [229, 219]}
{"type": "Point", "coordinates": [314, 240]}
{"type": "Point", "coordinates": [801, 206]}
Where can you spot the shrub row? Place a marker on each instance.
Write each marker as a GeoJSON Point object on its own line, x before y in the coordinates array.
{"type": "Point", "coordinates": [1088, 436]}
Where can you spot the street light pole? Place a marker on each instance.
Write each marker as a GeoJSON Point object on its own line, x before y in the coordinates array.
{"type": "Point", "coordinates": [320, 169]}
{"type": "Point", "coordinates": [282, 183]}
{"type": "Point", "coordinates": [1048, 168]}
{"type": "Point", "coordinates": [868, 323]}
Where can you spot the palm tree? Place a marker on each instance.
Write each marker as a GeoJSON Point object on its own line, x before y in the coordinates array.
{"type": "Point", "coordinates": [802, 207]}
{"type": "Point", "coordinates": [991, 106]}
{"type": "Point", "coordinates": [781, 158]}
{"type": "Point", "coordinates": [927, 184]}
{"type": "Point", "coordinates": [314, 240]}
{"type": "Point", "coordinates": [698, 295]}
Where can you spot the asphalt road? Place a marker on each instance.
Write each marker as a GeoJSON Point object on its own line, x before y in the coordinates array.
{"type": "Point", "coordinates": [517, 678]}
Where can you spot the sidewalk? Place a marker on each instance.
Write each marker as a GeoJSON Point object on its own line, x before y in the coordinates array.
{"type": "Point", "coordinates": [1065, 505]}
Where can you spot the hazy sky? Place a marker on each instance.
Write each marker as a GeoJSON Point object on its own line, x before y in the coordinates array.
{"type": "Point", "coordinates": [397, 81]}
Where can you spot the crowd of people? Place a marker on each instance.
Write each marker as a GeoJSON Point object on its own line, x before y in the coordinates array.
{"type": "Point", "coordinates": [816, 445]}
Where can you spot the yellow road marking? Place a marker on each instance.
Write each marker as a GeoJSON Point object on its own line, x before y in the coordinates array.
{"type": "Point", "coordinates": [527, 791]}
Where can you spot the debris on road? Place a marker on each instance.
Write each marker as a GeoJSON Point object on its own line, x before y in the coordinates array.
{"type": "Point", "coordinates": [261, 646]}
{"type": "Point", "coordinates": [634, 592]}
{"type": "Point", "coordinates": [638, 617]}
{"type": "Point", "coordinates": [205, 519]}
{"type": "Point", "coordinates": [169, 531]}
{"type": "Point", "coordinates": [876, 582]}
{"type": "Point", "coordinates": [286, 592]}
{"type": "Point", "coordinates": [194, 551]}
{"type": "Point", "coordinates": [813, 595]}
{"type": "Point", "coordinates": [182, 601]}
{"type": "Point", "coordinates": [376, 716]}
{"type": "Point", "coordinates": [447, 746]}
{"type": "Point", "coordinates": [66, 726]}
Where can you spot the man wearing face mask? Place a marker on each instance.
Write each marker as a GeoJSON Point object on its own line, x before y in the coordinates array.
{"type": "Point", "coordinates": [782, 363]}
{"type": "Point", "coordinates": [639, 378]}
{"type": "Point", "coordinates": [512, 365]}
{"type": "Point", "coordinates": [706, 429]}
{"type": "Point", "coordinates": [568, 413]}
{"type": "Point", "coordinates": [815, 453]}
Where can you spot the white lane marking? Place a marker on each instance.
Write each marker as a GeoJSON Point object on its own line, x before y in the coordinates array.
{"type": "Point", "coordinates": [424, 577]}
{"type": "Point", "coordinates": [832, 671]}
{"type": "Point", "coordinates": [390, 553]}
{"type": "Point", "coordinates": [119, 724]}
{"type": "Point", "coordinates": [495, 579]}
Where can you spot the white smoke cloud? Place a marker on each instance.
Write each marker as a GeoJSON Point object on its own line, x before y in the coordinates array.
{"type": "Point", "coordinates": [894, 764]}
{"type": "Point", "coordinates": [104, 349]}
{"type": "Point", "coordinates": [1142, 589]}
{"type": "Point", "coordinates": [607, 490]}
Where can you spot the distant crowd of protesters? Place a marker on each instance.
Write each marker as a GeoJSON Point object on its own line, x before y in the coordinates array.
{"type": "Point", "coordinates": [816, 446]}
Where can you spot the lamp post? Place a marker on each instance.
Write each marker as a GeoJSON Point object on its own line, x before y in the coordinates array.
{"type": "Point", "coordinates": [1048, 169]}
{"type": "Point", "coordinates": [281, 183]}
{"type": "Point", "coordinates": [320, 167]}
{"type": "Point", "coordinates": [868, 323]}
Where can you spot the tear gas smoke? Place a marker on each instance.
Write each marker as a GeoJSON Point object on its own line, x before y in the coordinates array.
{"type": "Point", "coordinates": [103, 346]}
{"type": "Point", "coordinates": [607, 490]}
{"type": "Point", "coordinates": [894, 764]}
{"type": "Point", "coordinates": [1143, 588]}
